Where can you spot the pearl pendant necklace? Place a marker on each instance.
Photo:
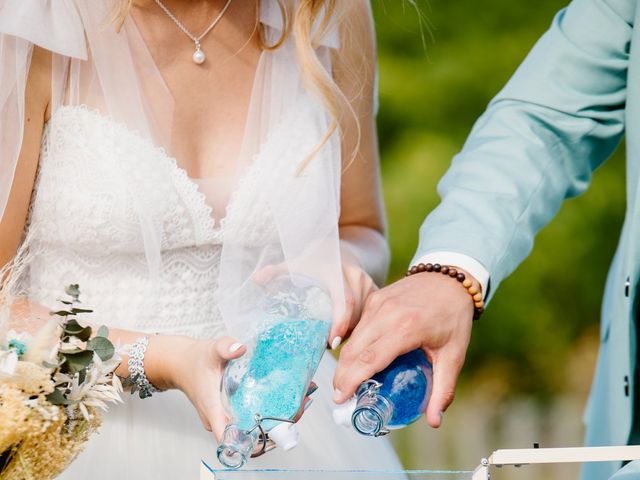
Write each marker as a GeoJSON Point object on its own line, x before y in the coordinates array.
{"type": "Point", "coordinates": [198, 56]}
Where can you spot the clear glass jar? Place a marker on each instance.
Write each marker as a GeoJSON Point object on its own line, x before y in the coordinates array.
{"type": "Point", "coordinates": [264, 389]}
{"type": "Point", "coordinates": [392, 398]}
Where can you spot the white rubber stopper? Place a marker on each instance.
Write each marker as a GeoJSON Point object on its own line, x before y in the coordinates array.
{"type": "Point", "coordinates": [285, 436]}
{"type": "Point", "coordinates": [342, 414]}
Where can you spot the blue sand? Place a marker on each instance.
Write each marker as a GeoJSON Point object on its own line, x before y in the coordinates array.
{"type": "Point", "coordinates": [406, 384]}
{"type": "Point", "coordinates": [284, 360]}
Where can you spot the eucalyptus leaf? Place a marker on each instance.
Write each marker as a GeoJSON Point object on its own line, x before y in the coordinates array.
{"type": "Point", "coordinates": [70, 351]}
{"type": "Point", "coordinates": [78, 361]}
{"type": "Point", "coordinates": [73, 291]}
{"type": "Point", "coordinates": [102, 346]}
{"type": "Point", "coordinates": [62, 313]}
{"type": "Point", "coordinates": [64, 365]}
{"type": "Point", "coordinates": [72, 327]}
{"type": "Point", "coordinates": [57, 398]}
{"type": "Point", "coordinates": [84, 335]}
{"type": "Point", "coordinates": [50, 365]}
{"type": "Point", "coordinates": [80, 310]}
{"type": "Point", "coordinates": [103, 331]}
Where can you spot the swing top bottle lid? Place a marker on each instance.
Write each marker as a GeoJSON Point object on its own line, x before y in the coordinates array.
{"type": "Point", "coordinates": [342, 414]}
{"type": "Point", "coordinates": [285, 436]}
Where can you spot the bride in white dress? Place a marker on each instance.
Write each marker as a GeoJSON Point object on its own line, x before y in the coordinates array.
{"type": "Point", "coordinates": [162, 172]}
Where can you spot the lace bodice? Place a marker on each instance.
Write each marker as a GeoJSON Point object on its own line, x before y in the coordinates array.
{"type": "Point", "coordinates": [84, 227]}
{"type": "Point", "coordinates": [116, 214]}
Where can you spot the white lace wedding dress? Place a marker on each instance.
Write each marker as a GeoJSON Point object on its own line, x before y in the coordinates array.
{"type": "Point", "coordinates": [88, 233]}
{"type": "Point", "coordinates": [84, 228]}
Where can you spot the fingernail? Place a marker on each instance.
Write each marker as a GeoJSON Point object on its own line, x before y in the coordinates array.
{"type": "Point", "coordinates": [235, 347]}
{"type": "Point", "coordinates": [337, 395]}
{"type": "Point", "coordinates": [441, 417]}
{"type": "Point", "coordinates": [307, 405]}
{"type": "Point", "coordinates": [336, 343]}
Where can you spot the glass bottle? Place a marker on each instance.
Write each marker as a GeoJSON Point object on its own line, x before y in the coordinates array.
{"type": "Point", "coordinates": [392, 398]}
{"type": "Point", "coordinates": [264, 389]}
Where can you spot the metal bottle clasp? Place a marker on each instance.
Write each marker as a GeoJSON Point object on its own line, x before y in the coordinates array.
{"type": "Point", "coordinates": [263, 437]}
{"type": "Point", "coordinates": [373, 388]}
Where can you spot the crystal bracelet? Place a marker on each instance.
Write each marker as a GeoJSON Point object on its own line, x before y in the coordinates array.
{"type": "Point", "coordinates": [139, 381]}
{"type": "Point", "coordinates": [476, 295]}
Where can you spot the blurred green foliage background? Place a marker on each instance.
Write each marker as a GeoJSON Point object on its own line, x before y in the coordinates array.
{"type": "Point", "coordinates": [430, 95]}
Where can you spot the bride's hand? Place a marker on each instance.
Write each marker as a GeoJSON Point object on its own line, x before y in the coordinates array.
{"type": "Point", "coordinates": [29, 317]}
{"type": "Point", "coordinates": [198, 373]}
{"type": "Point", "coordinates": [196, 367]}
{"type": "Point", "coordinates": [358, 285]}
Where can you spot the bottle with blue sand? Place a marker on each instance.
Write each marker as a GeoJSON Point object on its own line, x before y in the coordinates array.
{"type": "Point", "coordinates": [263, 390]}
{"type": "Point", "coordinates": [392, 398]}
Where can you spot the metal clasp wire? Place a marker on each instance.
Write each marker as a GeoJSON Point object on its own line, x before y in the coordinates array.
{"type": "Point", "coordinates": [372, 389]}
{"type": "Point", "coordinates": [267, 443]}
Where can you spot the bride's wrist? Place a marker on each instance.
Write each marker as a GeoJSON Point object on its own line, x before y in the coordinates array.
{"type": "Point", "coordinates": [165, 359]}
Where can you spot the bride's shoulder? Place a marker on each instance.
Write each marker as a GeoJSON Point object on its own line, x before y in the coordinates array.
{"type": "Point", "coordinates": [357, 35]}
{"type": "Point", "coordinates": [355, 7]}
{"type": "Point", "coordinates": [349, 16]}
{"type": "Point", "coordinates": [354, 19]}
{"type": "Point", "coordinates": [349, 10]}
{"type": "Point", "coordinates": [57, 26]}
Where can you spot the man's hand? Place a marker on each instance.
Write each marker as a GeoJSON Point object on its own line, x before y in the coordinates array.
{"type": "Point", "coordinates": [426, 310]}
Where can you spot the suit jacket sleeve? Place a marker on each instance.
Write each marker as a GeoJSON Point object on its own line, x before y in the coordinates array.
{"type": "Point", "coordinates": [558, 118]}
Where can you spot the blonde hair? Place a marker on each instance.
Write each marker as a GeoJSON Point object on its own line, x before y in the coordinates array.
{"type": "Point", "coordinates": [300, 22]}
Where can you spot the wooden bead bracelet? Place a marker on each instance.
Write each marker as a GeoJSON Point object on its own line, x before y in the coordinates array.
{"type": "Point", "coordinates": [476, 295]}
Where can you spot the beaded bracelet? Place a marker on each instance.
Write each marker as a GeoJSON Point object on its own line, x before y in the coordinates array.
{"type": "Point", "coordinates": [476, 295]}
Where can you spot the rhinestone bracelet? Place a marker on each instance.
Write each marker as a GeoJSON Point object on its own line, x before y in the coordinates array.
{"type": "Point", "coordinates": [139, 381]}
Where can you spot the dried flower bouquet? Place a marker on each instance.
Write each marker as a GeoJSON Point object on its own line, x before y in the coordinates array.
{"type": "Point", "coordinates": [51, 398]}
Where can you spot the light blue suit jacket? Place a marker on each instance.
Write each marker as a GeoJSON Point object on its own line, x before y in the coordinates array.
{"type": "Point", "coordinates": [630, 472]}
{"type": "Point", "coordinates": [559, 117]}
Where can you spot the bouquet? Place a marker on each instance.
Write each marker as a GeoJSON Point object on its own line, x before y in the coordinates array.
{"type": "Point", "coordinates": [51, 396]}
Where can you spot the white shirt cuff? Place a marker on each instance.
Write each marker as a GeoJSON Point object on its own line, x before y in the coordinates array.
{"type": "Point", "coordinates": [460, 260]}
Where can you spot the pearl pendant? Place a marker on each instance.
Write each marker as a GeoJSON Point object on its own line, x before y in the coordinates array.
{"type": "Point", "coordinates": [199, 56]}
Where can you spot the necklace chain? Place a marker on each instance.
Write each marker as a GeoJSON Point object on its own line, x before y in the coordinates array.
{"type": "Point", "coordinates": [184, 30]}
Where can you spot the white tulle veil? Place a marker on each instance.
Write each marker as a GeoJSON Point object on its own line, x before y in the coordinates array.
{"type": "Point", "coordinates": [113, 72]}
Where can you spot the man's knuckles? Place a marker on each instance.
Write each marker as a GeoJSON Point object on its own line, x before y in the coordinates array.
{"type": "Point", "coordinates": [351, 354]}
{"type": "Point", "coordinates": [368, 356]}
{"type": "Point", "coordinates": [445, 397]}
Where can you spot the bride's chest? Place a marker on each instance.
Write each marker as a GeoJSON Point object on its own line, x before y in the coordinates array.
{"type": "Point", "coordinates": [101, 185]}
